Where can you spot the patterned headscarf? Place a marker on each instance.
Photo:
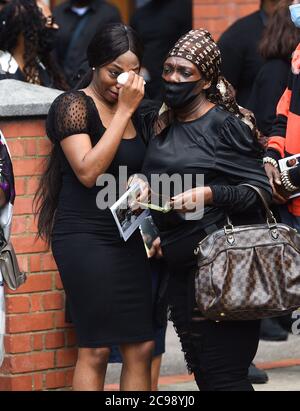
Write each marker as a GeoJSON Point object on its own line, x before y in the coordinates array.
{"type": "Point", "coordinates": [199, 47]}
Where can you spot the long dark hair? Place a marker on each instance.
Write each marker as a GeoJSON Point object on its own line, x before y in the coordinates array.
{"type": "Point", "coordinates": [281, 36]}
{"type": "Point", "coordinates": [47, 195]}
{"type": "Point", "coordinates": [106, 46]}
{"type": "Point", "coordinates": [24, 17]}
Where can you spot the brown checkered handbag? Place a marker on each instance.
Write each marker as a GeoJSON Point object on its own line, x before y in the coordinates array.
{"type": "Point", "coordinates": [249, 272]}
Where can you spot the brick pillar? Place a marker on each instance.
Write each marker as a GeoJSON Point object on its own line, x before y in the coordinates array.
{"type": "Point", "coordinates": [40, 347]}
{"type": "Point", "coordinates": [216, 16]}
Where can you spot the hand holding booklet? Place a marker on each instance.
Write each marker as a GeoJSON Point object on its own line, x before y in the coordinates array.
{"type": "Point", "coordinates": [129, 213]}
{"type": "Point", "coordinates": [165, 209]}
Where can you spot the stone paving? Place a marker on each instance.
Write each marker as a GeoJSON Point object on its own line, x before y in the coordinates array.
{"type": "Point", "coordinates": [280, 379]}
{"type": "Point", "coordinates": [280, 359]}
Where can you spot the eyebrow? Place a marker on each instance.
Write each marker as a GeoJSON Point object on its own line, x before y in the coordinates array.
{"type": "Point", "coordinates": [178, 66]}
{"type": "Point", "coordinates": [121, 68]}
{"type": "Point", "coordinates": [181, 65]}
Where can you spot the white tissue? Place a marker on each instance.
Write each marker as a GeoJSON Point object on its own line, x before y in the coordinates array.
{"type": "Point", "coordinates": [123, 77]}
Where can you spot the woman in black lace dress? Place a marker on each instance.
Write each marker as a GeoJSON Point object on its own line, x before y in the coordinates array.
{"type": "Point", "coordinates": [107, 281]}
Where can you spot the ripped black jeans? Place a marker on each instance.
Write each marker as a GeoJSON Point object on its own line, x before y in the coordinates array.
{"type": "Point", "coordinates": [219, 354]}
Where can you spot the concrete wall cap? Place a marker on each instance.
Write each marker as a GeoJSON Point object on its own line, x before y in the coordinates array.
{"type": "Point", "coordinates": [20, 99]}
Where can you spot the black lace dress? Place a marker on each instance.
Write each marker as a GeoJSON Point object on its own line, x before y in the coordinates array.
{"type": "Point", "coordinates": [107, 281]}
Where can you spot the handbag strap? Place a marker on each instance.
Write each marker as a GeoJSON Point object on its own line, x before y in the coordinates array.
{"type": "Point", "coordinates": [270, 216]}
{"type": "Point", "coordinates": [271, 220]}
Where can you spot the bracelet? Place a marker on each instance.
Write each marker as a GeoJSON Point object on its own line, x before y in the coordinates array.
{"type": "Point", "coordinates": [270, 160]}
{"type": "Point", "coordinates": [285, 178]}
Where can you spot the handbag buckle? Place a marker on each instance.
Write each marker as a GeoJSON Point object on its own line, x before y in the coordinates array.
{"type": "Point", "coordinates": [272, 224]}
{"type": "Point", "coordinates": [229, 230]}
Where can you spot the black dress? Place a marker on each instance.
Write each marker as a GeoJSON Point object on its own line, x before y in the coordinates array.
{"type": "Point", "coordinates": [222, 148]}
{"type": "Point", "coordinates": [107, 281]}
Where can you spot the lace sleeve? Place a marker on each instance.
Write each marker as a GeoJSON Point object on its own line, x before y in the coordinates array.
{"type": "Point", "coordinates": [68, 115]}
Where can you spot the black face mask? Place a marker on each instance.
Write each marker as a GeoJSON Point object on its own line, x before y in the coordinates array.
{"type": "Point", "coordinates": [178, 95]}
{"type": "Point", "coordinates": [81, 3]}
{"type": "Point", "coordinates": [48, 39]}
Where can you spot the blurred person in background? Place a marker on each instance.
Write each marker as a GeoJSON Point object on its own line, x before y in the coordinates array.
{"type": "Point", "coordinates": [27, 37]}
{"type": "Point", "coordinates": [3, 3]}
{"type": "Point", "coordinates": [241, 60]}
{"type": "Point", "coordinates": [140, 3]}
{"type": "Point", "coordinates": [284, 142]}
{"type": "Point", "coordinates": [7, 197]}
{"type": "Point", "coordinates": [79, 21]}
{"type": "Point", "coordinates": [7, 186]}
{"type": "Point", "coordinates": [278, 43]}
{"type": "Point", "coordinates": [160, 23]}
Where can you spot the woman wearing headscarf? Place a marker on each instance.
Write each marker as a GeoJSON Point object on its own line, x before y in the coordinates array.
{"type": "Point", "coordinates": [202, 131]}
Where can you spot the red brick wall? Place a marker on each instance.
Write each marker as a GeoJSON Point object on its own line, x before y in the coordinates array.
{"type": "Point", "coordinates": [217, 15]}
{"type": "Point", "coordinates": [40, 346]}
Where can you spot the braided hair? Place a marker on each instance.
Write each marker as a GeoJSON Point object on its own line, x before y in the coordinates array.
{"type": "Point", "coordinates": [24, 17]}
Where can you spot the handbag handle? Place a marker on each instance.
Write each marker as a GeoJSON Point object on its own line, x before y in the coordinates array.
{"type": "Point", "coordinates": [270, 216]}
{"type": "Point", "coordinates": [271, 220]}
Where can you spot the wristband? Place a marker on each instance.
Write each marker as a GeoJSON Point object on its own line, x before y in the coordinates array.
{"type": "Point", "coordinates": [270, 160]}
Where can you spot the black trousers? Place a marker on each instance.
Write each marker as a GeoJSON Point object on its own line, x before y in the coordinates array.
{"type": "Point", "coordinates": [218, 353]}
{"type": "Point", "coordinates": [224, 353]}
